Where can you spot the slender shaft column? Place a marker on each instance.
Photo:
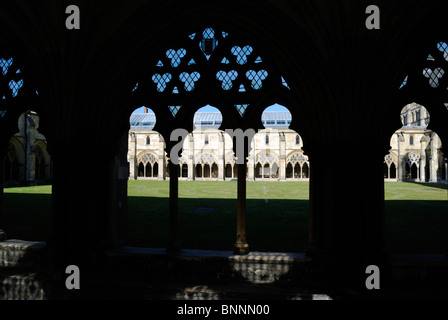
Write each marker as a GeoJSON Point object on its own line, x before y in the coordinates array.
{"type": "Point", "coordinates": [174, 245]}
{"type": "Point", "coordinates": [241, 246]}
{"type": "Point", "coordinates": [446, 172]}
{"type": "Point", "coordinates": [2, 181]}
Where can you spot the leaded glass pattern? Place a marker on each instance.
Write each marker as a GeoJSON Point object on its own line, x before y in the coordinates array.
{"type": "Point", "coordinates": [443, 47]}
{"type": "Point", "coordinates": [176, 56]}
{"type": "Point", "coordinates": [6, 66]}
{"type": "Point", "coordinates": [405, 82]}
{"type": "Point", "coordinates": [433, 76]}
{"type": "Point", "coordinates": [257, 78]}
{"type": "Point", "coordinates": [241, 108]}
{"type": "Point", "coordinates": [285, 84]}
{"type": "Point", "coordinates": [189, 79]}
{"type": "Point", "coordinates": [226, 78]}
{"type": "Point", "coordinates": [161, 81]}
{"type": "Point", "coordinates": [236, 67]}
{"type": "Point", "coordinates": [208, 43]}
{"type": "Point", "coordinates": [174, 110]}
{"type": "Point", "coordinates": [15, 86]}
{"type": "Point", "coordinates": [241, 54]}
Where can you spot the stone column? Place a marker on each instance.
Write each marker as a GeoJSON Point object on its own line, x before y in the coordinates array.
{"type": "Point", "coordinates": [251, 162]}
{"type": "Point", "coordinates": [423, 144]}
{"type": "Point", "coordinates": [434, 162]}
{"type": "Point", "coordinates": [133, 172]}
{"type": "Point", "coordinates": [446, 172]}
{"type": "Point", "coordinates": [241, 246]}
{"type": "Point", "coordinates": [191, 166]}
{"type": "Point", "coordinates": [422, 167]}
{"type": "Point", "coordinates": [161, 174]}
{"type": "Point", "coordinates": [2, 182]}
{"type": "Point", "coordinates": [29, 148]}
{"type": "Point", "coordinates": [401, 163]}
{"type": "Point", "coordinates": [221, 156]}
{"type": "Point", "coordinates": [282, 154]}
{"type": "Point", "coordinates": [174, 244]}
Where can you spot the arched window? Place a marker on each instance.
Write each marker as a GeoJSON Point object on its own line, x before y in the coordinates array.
{"type": "Point", "coordinates": [267, 139]}
{"type": "Point", "coordinates": [148, 140]}
{"type": "Point", "coordinates": [209, 63]}
{"type": "Point", "coordinates": [297, 139]}
{"type": "Point", "coordinates": [411, 140]}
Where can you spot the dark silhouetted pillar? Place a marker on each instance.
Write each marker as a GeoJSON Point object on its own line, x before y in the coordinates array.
{"type": "Point", "coordinates": [174, 244]}
{"type": "Point", "coordinates": [241, 246]}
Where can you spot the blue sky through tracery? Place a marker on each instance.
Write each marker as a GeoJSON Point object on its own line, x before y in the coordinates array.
{"type": "Point", "coordinates": [275, 107]}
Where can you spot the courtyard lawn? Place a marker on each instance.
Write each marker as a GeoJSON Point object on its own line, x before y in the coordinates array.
{"type": "Point", "coordinates": [416, 218]}
{"type": "Point", "coordinates": [276, 219]}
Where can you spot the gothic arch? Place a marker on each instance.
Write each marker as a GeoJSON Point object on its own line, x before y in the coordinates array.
{"type": "Point", "coordinates": [219, 65]}
{"type": "Point", "coordinates": [298, 165]}
{"type": "Point", "coordinates": [267, 157]}
{"type": "Point", "coordinates": [147, 156]}
{"type": "Point", "coordinates": [147, 165]}
{"type": "Point", "coordinates": [206, 158]}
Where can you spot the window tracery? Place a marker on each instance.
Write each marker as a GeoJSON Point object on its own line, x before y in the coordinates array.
{"type": "Point", "coordinates": [148, 158]}
{"type": "Point", "coordinates": [205, 158]}
{"type": "Point", "coordinates": [14, 83]}
{"type": "Point", "coordinates": [236, 67]}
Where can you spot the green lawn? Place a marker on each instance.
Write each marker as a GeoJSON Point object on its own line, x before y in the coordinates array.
{"type": "Point", "coordinates": [277, 215]}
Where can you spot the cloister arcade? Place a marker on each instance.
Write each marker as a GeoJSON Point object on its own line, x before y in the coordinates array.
{"type": "Point", "coordinates": [344, 85]}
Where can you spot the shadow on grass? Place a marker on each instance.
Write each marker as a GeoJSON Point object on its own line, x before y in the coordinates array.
{"type": "Point", "coordinates": [417, 226]}
{"type": "Point", "coordinates": [210, 224]}
{"type": "Point", "coordinates": [431, 185]}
